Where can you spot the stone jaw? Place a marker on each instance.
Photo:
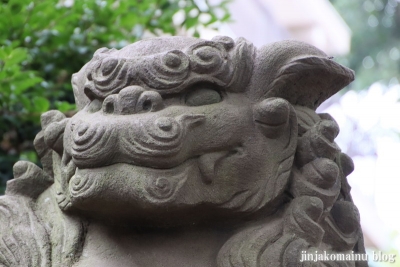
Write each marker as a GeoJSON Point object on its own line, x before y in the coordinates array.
{"type": "Point", "coordinates": [176, 132]}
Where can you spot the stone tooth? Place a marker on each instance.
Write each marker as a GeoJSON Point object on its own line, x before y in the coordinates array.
{"type": "Point", "coordinates": [207, 164]}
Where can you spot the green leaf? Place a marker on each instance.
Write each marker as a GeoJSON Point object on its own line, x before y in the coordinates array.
{"type": "Point", "coordinates": [29, 155]}
{"type": "Point", "coordinates": [64, 106]}
{"type": "Point", "coordinates": [16, 56]}
{"type": "Point", "coordinates": [26, 102]}
{"type": "Point", "coordinates": [23, 85]}
{"type": "Point", "coordinates": [41, 104]}
{"type": "Point", "coordinates": [191, 22]}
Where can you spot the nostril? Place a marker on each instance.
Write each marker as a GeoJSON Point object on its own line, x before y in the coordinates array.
{"type": "Point", "coordinates": [109, 107]}
{"type": "Point", "coordinates": [164, 124]}
{"type": "Point", "coordinates": [149, 101]}
{"type": "Point", "coordinates": [147, 105]}
{"type": "Point", "coordinates": [109, 104]}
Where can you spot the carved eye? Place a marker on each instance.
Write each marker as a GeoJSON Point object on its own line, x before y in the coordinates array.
{"type": "Point", "coordinates": [149, 101]}
{"type": "Point", "coordinates": [202, 96]}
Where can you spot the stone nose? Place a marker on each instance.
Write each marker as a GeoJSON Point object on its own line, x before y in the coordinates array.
{"type": "Point", "coordinates": [165, 124]}
{"type": "Point", "coordinates": [82, 128]}
{"type": "Point", "coordinates": [168, 127]}
{"type": "Point", "coordinates": [132, 100]}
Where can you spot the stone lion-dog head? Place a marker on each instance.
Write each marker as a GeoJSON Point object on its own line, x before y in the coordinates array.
{"type": "Point", "coordinates": [174, 131]}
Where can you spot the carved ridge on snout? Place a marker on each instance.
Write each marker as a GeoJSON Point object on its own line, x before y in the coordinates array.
{"type": "Point", "coordinates": [137, 141]}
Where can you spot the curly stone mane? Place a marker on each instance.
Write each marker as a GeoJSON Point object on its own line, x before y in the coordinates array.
{"type": "Point", "coordinates": [318, 201]}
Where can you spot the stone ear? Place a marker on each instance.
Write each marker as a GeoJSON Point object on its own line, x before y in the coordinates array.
{"type": "Point", "coordinates": [309, 80]}
{"type": "Point", "coordinates": [298, 72]}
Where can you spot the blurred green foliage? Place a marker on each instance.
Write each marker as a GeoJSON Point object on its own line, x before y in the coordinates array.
{"type": "Point", "coordinates": [375, 46]}
{"type": "Point", "coordinates": [42, 43]}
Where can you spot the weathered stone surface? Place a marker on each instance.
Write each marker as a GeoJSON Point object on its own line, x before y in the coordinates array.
{"type": "Point", "coordinates": [187, 152]}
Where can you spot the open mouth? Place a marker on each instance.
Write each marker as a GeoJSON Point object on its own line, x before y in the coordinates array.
{"type": "Point", "coordinates": [126, 188]}
{"type": "Point", "coordinates": [206, 164]}
{"type": "Point", "coordinates": [130, 180]}
{"type": "Point", "coordinates": [160, 184]}
{"type": "Point", "coordinates": [157, 184]}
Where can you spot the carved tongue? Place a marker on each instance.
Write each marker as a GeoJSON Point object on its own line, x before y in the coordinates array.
{"type": "Point", "coordinates": [207, 164]}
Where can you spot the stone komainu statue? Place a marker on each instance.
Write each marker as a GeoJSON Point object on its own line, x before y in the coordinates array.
{"type": "Point", "coordinates": [187, 152]}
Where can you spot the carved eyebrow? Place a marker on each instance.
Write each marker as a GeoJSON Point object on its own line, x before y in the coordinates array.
{"type": "Point", "coordinates": [170, 72]}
